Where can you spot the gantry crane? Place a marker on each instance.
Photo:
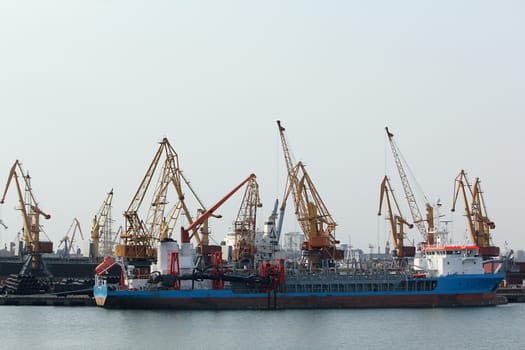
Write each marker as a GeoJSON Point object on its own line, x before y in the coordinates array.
{"type": "Point", "coordinates": [427, 231]}
{"type": "Point", "coordinates": [31, 213]}
{"type": "Point", "coordinates": [311, 212]}
{"type": "Point", "coordinates": [101, 228]}
{"type": "Point", "coordinates": [69, 238]}
{"type": "Point", "coordinates": [478, 222]}
{"type": "Point", "coordinates": [397, 221]}
{"type": "Point", "coordinates": [140, 237]}
{"type": "Point", "coordinates": [245, 225]}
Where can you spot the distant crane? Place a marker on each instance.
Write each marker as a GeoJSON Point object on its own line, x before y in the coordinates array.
{"type": "Point", "coordinates": [245, 225]}
{"type": "Point", "coordinates": [31, 213]}
{"type": "Point", "coordinates": [397, 221]}
{"type": "Point", "coordinates": [478, 222]}
{"type": "Point", "coordinates": [69, 238]}
{"type": "Point", "coordinates": [2, 223]}
{"type": "Point", "coordinates": [311, 212]}
{"type": "Point", "coordinates": [427, 231]}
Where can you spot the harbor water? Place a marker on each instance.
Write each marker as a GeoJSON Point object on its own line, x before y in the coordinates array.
{"type": "Point", "coordinates": [48, 327]}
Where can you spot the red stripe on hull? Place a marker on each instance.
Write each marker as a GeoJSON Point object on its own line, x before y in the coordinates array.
{"type": "Point", "coordinates": [306, 302]}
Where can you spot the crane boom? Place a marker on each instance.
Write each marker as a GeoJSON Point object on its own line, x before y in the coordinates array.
{"type": "Point", "coordinates": [417, 218]}
{"type": "Point", "coordinates": [311, 212]}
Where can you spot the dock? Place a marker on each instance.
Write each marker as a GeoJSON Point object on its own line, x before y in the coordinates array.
{"type": "Point", "coordinates": [513, 294]}
{"type": "Point", "coordinates": [47, 300]}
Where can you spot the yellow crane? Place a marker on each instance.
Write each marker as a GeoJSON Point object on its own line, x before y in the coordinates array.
{"type": "Point", "coordinates": [101, 228]}
{"type": "Point", "coordinates": [478, 222]}
{"type": "Point", "coordinates": [31, 214]}
{"type": "Point", "coordinates": [312, 214]}
{"type": "Point", "coordinates": [396, 221]}
{"type": "Point", "coordinates": [428, 230]}
{"type": "Point", "coordinates": [139, 236]}
{"type": "Point", "coordinates": [245, 225]}
{"type": "Point", "coordinates": [69, 238]}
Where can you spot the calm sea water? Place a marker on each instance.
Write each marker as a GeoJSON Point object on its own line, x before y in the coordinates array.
{"type": "Point", "coordinates": [35, 327]}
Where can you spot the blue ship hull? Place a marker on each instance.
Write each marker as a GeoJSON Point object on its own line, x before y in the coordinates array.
{"type": "Point", "coordinates": [447, 291]}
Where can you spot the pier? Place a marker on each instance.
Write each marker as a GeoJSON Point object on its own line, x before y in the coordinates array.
{"type": "Point", "coordinates": [47, 300]}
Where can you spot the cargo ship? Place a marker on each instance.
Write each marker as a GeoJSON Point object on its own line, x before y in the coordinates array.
{"type": "Point", "coordinates": [439, 276]}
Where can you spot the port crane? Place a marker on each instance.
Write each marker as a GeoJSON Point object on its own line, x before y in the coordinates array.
{"type": "Point", "coordinates": [69, 238]}
{"type": "Point", "coordinates": [139, 236]}
{"type": "Point", "coordinates": [427, 231]}
{"type": "Point", "coordinates": [245, 225]}
{"type": "Point", "coordinates": [31, 214]}
{"type": "Point", "coordinates": [3, 224]}
{"type": "Point", "coordinates": [478, 222]}
{"type": "Point", "coordinates": [101, 228]}
{"type": "Point", "coordinates": [312, 214]}
{"type": "Point", "coordinates": [396, 221]}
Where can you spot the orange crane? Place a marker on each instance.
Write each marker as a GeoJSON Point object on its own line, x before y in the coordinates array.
{"type": "Point", "coordinates": [101, 228]}
{"type": "Point", "coordinates": [311, 212]}
{"type": "Point", "coordinates": [245, 225]}
{"type": "Point", "coordinates": [478, 222]}
{"type": "Point", "coordinates": [31, 214]}
{"type": "Point", "coordinates": [69, 240]}
{"type": "Point", "coordinates": [139, 237]}
{"type": "Point", "coordinates": [203, 218]}
{"type": "Point", "coordinates": [427, 231]}
{"type": "Point", "coordinates": [208, 253]}
{"type": "Point", "coordinates": [397, 221]}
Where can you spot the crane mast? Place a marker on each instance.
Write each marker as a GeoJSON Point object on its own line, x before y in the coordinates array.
{"type": "Point", "coordinates": [245, 225]}
{"type": "Point", "coordinates": [417, 218]}
{"type": "Point", "coordinates": [311, 212]}
{"type": "Point", "coordinates": [478, 222]}
{"type": "Point", "coordinates": [396, 221]}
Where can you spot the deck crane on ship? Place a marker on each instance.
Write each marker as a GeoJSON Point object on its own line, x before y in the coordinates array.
{"type": "Point", "coordinates": [396, 220]}
{"type": "Point", "coordinates": [425, 226]}
{"type": "Point", "coordinates": [31, 214]}
{"type": "Point", "coordinates": [101, 229]}
{"type": "Point", "coordinates": [312, 214]}
{"type": "Point", "coordinates": [478, 222]}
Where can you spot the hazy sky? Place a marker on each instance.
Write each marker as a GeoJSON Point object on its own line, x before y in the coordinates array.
{"type": "Point", "coordinates": [87, 89]}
